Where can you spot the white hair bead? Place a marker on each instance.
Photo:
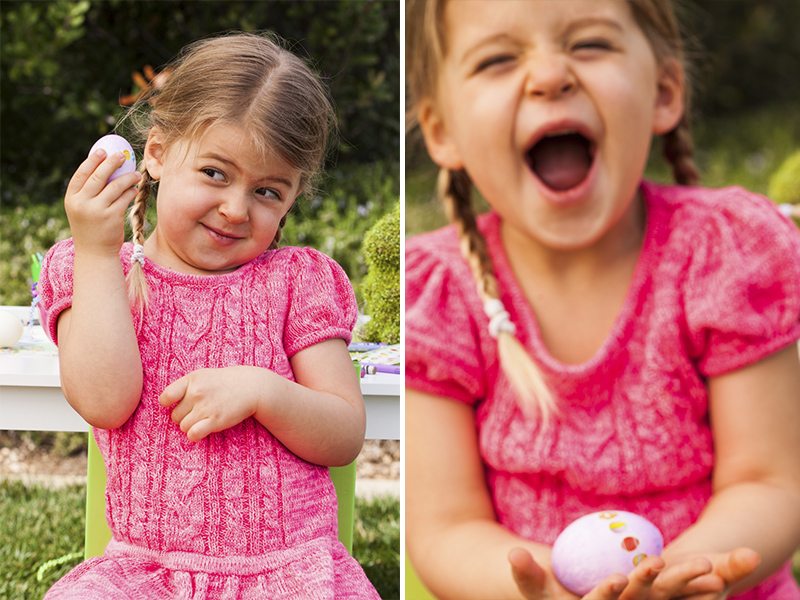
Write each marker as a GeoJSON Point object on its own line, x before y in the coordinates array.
{"type": "Point", "coordinates": [499, 319]}
{"type": "Point", "coordinates": [138, 254]}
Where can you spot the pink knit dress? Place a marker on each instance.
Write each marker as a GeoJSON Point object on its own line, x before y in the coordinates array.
{"type": "Point", "coordinates": [236, 515]}
{"type": "Point", "coordinates": [716, 287]}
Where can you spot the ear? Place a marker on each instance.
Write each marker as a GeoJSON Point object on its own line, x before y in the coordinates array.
{"type": "Point", "coordinates": [154, 151]}
{"type": "Point", "coordinates": [441, 147]}
{"type": "Point", "coordinates": [670, 97]}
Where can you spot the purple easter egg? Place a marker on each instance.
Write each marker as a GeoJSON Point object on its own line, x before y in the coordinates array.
{"type": "Point", "coordinates": [116, 143]}
{"type": "Point", "coordinates": [600, 544]}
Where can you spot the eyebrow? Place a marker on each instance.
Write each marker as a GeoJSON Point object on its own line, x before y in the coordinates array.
{"type": "Point", "coordinates": [572, 26]}
{"type": "Point", "coordinates": [489, 39]}
{"type": "Point", "coordinates": [228, 161]}
{"type": "Point", "coordinates": [598, 20]}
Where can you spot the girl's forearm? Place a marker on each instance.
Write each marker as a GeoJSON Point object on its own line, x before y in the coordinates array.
{"type": "Point", "coordinates": [319, 427]}
{"type": "Point", "coordinates": [101, 369]}
{"type": "Point", "coordinates": [468, 560]}
{"type": "Point", "coordinates": [758, 515]}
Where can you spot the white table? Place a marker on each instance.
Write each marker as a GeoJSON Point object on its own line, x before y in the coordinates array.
{"type": "Point", "coordinates": [31, 397]}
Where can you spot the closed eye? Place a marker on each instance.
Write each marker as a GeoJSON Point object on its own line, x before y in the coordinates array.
{"type": "Point", "coordinates": [592, 44]}
{"type": "Point", "coordinates": [493, 61]}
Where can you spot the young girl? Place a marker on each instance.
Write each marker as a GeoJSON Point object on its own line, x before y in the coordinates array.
{"type": "Point", "coordinates": [222, 391]}
{"type": "Point", "coordinates": [595, 341]}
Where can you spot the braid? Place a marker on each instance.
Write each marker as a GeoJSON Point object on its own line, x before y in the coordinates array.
{"type": "Point", "coordinates": [137, 285]}
{"type": "Point", "coordinates": [277, 237]}
{"type": "Point", "coordinates": [679, 151]}
{"type": "Point", "coordinates": [454, 189]}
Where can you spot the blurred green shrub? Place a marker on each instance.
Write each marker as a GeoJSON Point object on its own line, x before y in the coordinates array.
{"type": "Point", "coordinates": [784, 185]}
{"type": "Point", "coordinates": [25, 231]}
{"type": "Point", "coordinates": [381, 286]}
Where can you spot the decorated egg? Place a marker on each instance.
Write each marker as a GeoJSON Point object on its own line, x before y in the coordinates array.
{"type": "Point", "coordinates": [10, 329]}
{"type": "Point", "coordinates": [600, 544]}
{"type": "Point", "coordinates": [116, 143]}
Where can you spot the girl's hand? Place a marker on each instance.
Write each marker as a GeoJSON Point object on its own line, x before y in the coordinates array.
{"type": "Point", "coordinates": [96, 211]}
{"type": "Point", "coordinates": [722, 571]}
{"type": "Point", "coordinates": [536, 583]}
{"type": "Point", "coordinates": [210, 400]}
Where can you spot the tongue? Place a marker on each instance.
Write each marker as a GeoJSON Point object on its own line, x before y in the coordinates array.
{"type": "Point", "coordinates": [561, 162]}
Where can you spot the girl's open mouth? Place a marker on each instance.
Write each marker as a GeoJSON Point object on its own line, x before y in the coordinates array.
{"type": "Point", "coordinates": [561, 161]}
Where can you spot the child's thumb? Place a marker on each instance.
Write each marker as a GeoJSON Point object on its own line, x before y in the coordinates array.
{"type": "Point", "coordinates": [528, 575]}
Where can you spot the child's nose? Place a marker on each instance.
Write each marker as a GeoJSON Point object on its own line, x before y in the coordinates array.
{"type": "Point", "coordinates": [549, 76]}
{"type": "Point", "coordinates": [234, 207]}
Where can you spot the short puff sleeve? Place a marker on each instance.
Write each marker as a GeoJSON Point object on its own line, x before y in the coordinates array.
{"type": "Point", "coordinates": [442, 344]}
{"type": "Point", "coordinates": [742, 295]}
{"type": "Point", "coordinates": [55, 285]}
{"type": "Point", "coordinates": [322, 305]}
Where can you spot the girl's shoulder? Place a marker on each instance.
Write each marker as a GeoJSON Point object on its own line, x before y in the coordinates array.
{"type": "Point", "coordinates": [438, 252]}
{"type": "Point", "coordinates": [723, 226]}
{"type": "Point", "coordinates": [294, 261]}
{"type": "Point", "coordinates": [733, 210]}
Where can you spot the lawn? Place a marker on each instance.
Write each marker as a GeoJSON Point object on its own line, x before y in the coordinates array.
{"type": "Point", "coordinates": [41, 524]}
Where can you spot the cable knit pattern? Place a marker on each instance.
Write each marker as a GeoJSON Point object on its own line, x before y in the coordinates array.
{"type": "Point", "coordinates": [716, 287]}
{"type": "Point", "coordinates": [236, 515]}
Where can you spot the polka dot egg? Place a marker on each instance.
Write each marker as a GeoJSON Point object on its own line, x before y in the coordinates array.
{"type": "Point", "coordinates": [600, 544]}
{"type": "Point", "coordinates": [116, 143]}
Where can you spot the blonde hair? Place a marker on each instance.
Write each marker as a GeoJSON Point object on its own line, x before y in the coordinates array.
{"type": "Point", "coordinates": [425, 51]}
{"type": "Point", "coordinates": [242, 79]}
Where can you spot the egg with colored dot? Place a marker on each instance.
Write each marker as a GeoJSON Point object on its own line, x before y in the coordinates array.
{"type": "Point", "coordinates": [600, 544]}
{"type": "Point", "coordinates": [116, 143]}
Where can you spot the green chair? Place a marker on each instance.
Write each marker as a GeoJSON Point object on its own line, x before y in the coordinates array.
{"type": "Point", "coordinates": [98, 534]}
{"type": "Point", "coordinates": [415, 589]}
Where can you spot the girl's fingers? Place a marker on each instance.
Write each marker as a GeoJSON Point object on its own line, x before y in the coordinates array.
{"type": "Point", "coordinates": [98, 178]}
{"type": "Point", "coordinates": [200, 430]}
{"type": "Point", "coordinates": [174, 392]}
{"type": "Point", "coordinates": [640, 580]}
{"type": "Point", "coordinates": [684, 577]}
{"type": "Point", "coordinates": [738, 564]}
{"type": "Point", "coordinates": [85, 170]}
{"type": "Point", "coordinates": [528, 575]}
{"type": "Point", "coordinates": [118, 188]}
{"type": "Point", "coordinates": [179, 413]}
{"type": "Point", "coordinates": [610, 588]}
{"type": "Point", "coordinates": [710, 584]}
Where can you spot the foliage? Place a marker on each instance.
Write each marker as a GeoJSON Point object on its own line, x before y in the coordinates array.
{"type": "Point", "coordinates": [376, 543]}
{"type": "Point", "coordinates": [25, 231]}
{"type": "Point", "coordinates": [784, 186]}
{"type": "Point", "coordinates": [334, 220]}
{"type": "Point", "coordinates": [65, 63]}
{"type": "Point", "coordinates": [381, 286]}
{"type": "Point", "coordinates": [743, 53]}
{"type": "Point", "coordinates": [41, 524]}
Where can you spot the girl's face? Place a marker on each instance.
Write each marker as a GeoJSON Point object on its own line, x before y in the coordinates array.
{"type": "Point", "coordinates": [550, 107]}
{"type": "Point", "coordinates": [219, 206]}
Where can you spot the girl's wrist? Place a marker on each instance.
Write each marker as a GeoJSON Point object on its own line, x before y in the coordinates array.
{"type": "Point", "coordinates": [93, 252]}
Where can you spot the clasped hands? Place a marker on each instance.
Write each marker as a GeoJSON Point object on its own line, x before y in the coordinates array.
{"type": "Point", "coordinates": [210, 400]}
{"type": "Point", "coordinates": [707, 577]}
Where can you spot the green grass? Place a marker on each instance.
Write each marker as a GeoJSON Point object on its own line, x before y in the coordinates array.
{"type": "Point", "coordinates": [40, 524]}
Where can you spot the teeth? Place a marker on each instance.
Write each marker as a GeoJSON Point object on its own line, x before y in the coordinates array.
{"type": "Point", "coordinates": [562, 132]}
